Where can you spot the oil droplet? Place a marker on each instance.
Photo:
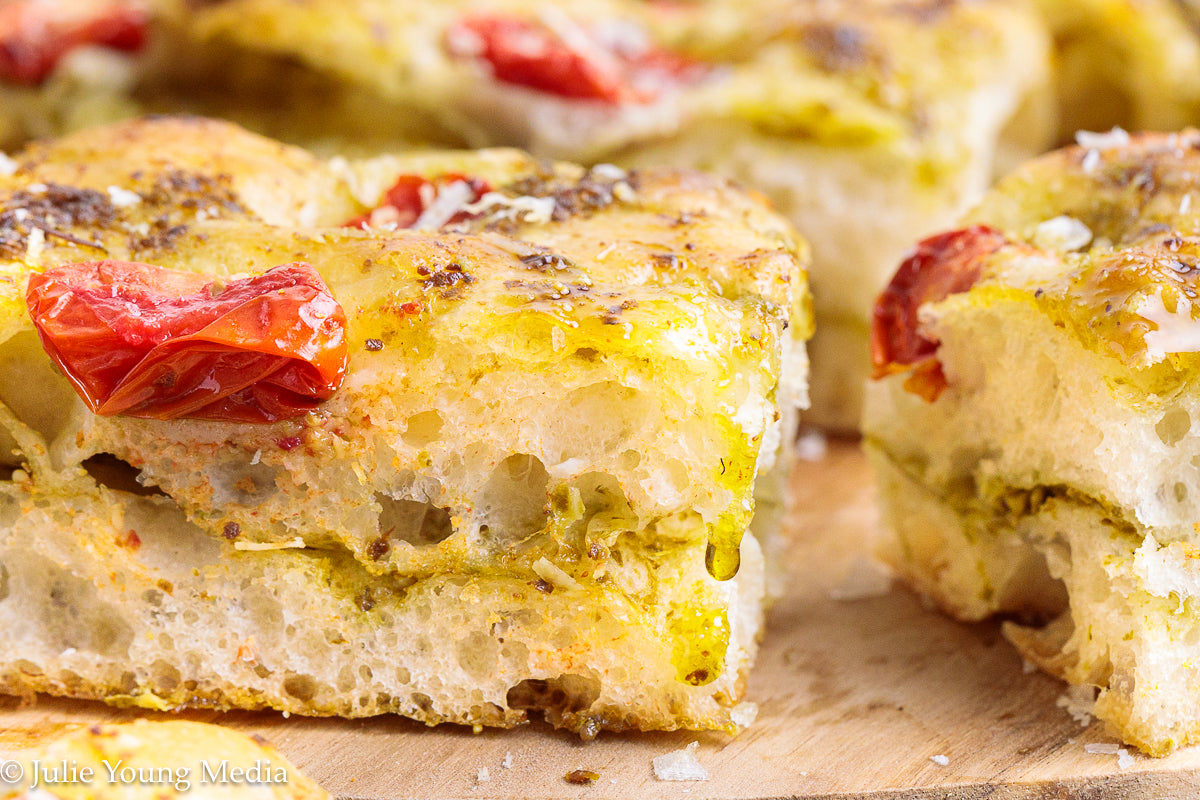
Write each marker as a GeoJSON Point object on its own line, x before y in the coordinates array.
{"type": "Point", "coordinates": [722, 561]}
{"type": "Point", "coordinates": [700, 639]}
{"type": "Point", "coordinates": [724, 553]}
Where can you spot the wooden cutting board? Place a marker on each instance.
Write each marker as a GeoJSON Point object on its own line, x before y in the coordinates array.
{"type": "Point", "coordinates": [855, 698]}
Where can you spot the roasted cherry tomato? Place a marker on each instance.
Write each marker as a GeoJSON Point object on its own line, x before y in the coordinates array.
{"type": "Point", "coordinates": [584, 67]}
{"type": "Point", "coordinates": [408, 198]}
{"type": "Point", "coordinates": [938, 267]}
{"type": "Point", "coordinates": [34, 36]}
{"type": "Point", "coordinates": [146, 341]}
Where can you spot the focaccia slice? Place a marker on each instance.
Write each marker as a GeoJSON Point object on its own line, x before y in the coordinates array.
{"type": "Point", "coordinates": [1133, 63]}
{"type": "Point", "coordinates": [529, 493]}
{"type": "Point", "coordinates": [146, 760]}
{"type": "Point", "coordinates": [1035, 434]}
{"type": "Point", "coordinates": [866, 121]}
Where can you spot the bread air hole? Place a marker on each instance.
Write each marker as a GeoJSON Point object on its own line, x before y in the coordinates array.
{"type": "Point", "coordinates": [514, 502]}
{"type": "Point", "coordinates": [34, 390]}
{"type": "Point", "coordinates": [1174, 425]}
{"type": "Point", "coordinates": [410, 521]}
{"type": "Point", "coordinates": [566, 694]}
{"type": "Point", "coordinates": [423, 429]}
{"type": "Point", "coordinates": [69, 612]}
{"type": "Point", "coordinates": [301, 687]}
{"type": "Point", "coordinates": [111, 472]}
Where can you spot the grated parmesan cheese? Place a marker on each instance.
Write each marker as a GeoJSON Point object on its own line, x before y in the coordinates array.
{"type": "Point", "coordinates": [680, 765]}
{"type": "Point", "coordinates": [610, 172]}
{"type": "Point", "coordinates": [123, 198]}
{"type": "Point", "coordinates": [1117, 137]}
{"type": "Point", "coordinates": [1091, 160]}
{"type": "Point", "coordinates": [553, 575]}
{"type": "Point", "coordinates": [35, 244]}
{"type": "Point", "coordinates": [1063, 234]}
{"type": "Point", "coordinates": [296, 542]}
{"type": "Point", "coordinates": [448, 202]}
{"type": "Point", "coordinates": [534, 210]}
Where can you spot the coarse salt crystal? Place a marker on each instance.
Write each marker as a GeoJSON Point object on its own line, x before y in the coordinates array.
{"type": "Point", "coordinates": [1117, 137]}
{"type": "Point", "coordinates": [482, 776]}
{"type": "Point", "coordinates": [1102, 748]}
{"type": "Point", "coordinates": [680, 765]}
{"type": "Point", "coordinates": [507, 762]}
{"type": "Point", "coordinates": [1062, 233]}
{"type": "Point", "coordinates": [1124, 760]}
{"type": "Point", "coordinates": [1028, 667]}
{"type": "Point", "coordinates": [1091, 160]}
{"type": "Point", "coordinates": [864, 579]}
{"type": "Point", "coordinates": [7, 165]}
{"type": "Point", "coordinates": [940, 760]}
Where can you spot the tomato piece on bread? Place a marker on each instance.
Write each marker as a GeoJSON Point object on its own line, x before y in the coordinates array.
{"type": "Point", "coordinates": [571, 62]}
{"type": "Point", "coordinates": [146, 341]}
{"type": "Point", "coordinates": [34, 36]}
{"type": "Point", "coordinates": [939, 266]}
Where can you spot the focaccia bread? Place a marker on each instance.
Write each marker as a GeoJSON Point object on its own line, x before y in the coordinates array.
{"type": "Point", "coordinates": [1133, 63]}
{"type": "Point", "coordinates": [866, 121]}
{"type": "Point", "coordinates": [146, 760]}
{"type": "Point", "coordinates": [528, 494]}
{"type": "Point", "coordinates": [1034, 430]}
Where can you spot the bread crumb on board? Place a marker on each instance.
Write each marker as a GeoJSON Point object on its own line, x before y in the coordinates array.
{"type": "Point", "coordinates": [680, 765]}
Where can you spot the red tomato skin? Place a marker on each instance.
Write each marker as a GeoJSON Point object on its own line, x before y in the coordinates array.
{"type": "Point", "coordinates": [33, 38]}
{"type": "Point", "coordinates": [530, 54]}
{"type": "Point", "coordinates": [146, 341]}
{"type": "Point", "coordinates": [939, 266]}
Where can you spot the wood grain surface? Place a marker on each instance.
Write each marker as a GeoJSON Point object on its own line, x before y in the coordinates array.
{"type": "Point", "coordinates": [855, 698]}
